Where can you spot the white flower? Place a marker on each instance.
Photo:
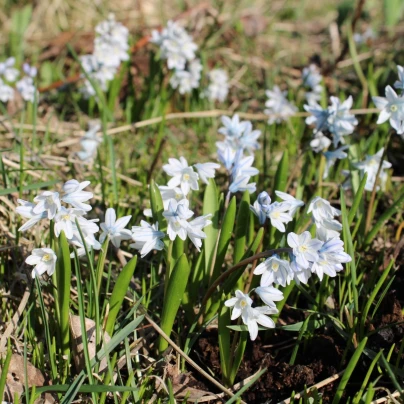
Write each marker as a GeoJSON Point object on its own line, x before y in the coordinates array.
{"type": "Point", "coordinates": [251, 316]}
{"type": "Point", "coordinates": [300, 274]}
{"type": "Point", "coordinates": [399, 84]}
{"type": "Point", "coordinates": [8, 71]}
{"type": "Point", "coordinates": [274, 270]}
{"type": "Point", "coordinates": [6, 92]}
{"type": "Point", "coordinates": [65, 220]}
{"type": "Point", "coordinates": [277, 104]}
{"type": "Point", "coordinates": [75, 196]}
{"type": "Point", "coordinates": [206, 171]}
{"type": "Point", "coordinates": [340, 120]}
{"type": "Point", "coordinates": [331, 256]}
{"type": "Point", "coordinates": [115, 229]}
{"type": "Point", "coordinates": [278, 216]}
{"type": "Point", "coordinates": [48, 202]}
{"type": "Point", "coordinates": [188, 79]}
{"type": "Point", "coordinates": [332, 156]}
{"type": "Point", "coordinates": [44, 260]}
{"type": "Point", "coordinates": [319, 117]}
{"type": "Point", "coordinates": [242, 183]}
{"type": "Point", "coordinates": [261, 207]}
{"type": "Point", "coordinates": [268, 294]}
{"type": "Point", "coordinates": [320, 142]}
{"type": "Point", "coordinates": [305, 249]}
{"type": "Point", "coordinates": [226, 156]}
{"type": "Point", "coordinates": [147, 237]}
{"type": "Point", "coordinates": [27, 89]}
{"type": "Point", "coordinates": [183, 175]}
{"type": "Point", "coordinates": [392, 108]}
{"type": "Point", "coordinates": [371, 166]}
{"type": "Point", "coordinates": [218, 87]}
{"type": "Point", "coordinates": [88, 229]}
{"type": "Point", "coordinates": [175, 45]}
{"type": "Point", "coordinates": [194, 230]}
{"type": "Point", "coordinates": [322, 210]}
{"type": "Point", "coordinates": [233, 128]}
{"type": "Point", "coordinates": [90, 142]}
{"type": "Point", "coordinates": [167, 193]}
{"type": "Point", "coordinates": [27, 210]}
{"type": "Point", "coordinates": [312, 79]}
{"type": "Point", "coordinates": [177, 215]}
{"type": "Point", "coordinates": [293, 203]}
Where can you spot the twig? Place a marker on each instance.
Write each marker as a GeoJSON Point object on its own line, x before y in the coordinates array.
{"type": "Point", "coordinates": [184, 355]}
{"type": "Point", "coordinates": [315, 386]}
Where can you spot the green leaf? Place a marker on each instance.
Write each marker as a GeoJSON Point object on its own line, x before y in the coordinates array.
{"type": "Point", "coordinates": [224, 339]}
{"type": "Point", "coordinates": [210, 206]}
{"type": "Point", "coordinates": [175, 291]}
{"type": "Point", "coordinates": [157, 206]}
{"type": "Point", "coordinates": [357, 200]}
{"type": "Point", "coordinates": [224, 237]}
{"type": "Point", "coordinates": [118, 293]}
{"type": "Point", "coordinates": [240, 233]}
{"type": "Point", "coordinates": [372, 297]}
{"type": "Point", "coordinates": [63, 276]}
{"type": "Point", "coordinates": [238, 357]}
{"type": "Point", "coordinates": [350, 249]}
{"type": "Point", "coordinates": [348, 371]}
{"type": "Point", "coordinates": [281, 176]}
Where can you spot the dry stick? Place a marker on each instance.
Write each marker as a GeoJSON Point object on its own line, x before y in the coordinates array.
{"type": "Point", "coordinates": [156, 159]}
{"type": "Point", "coordinates": [315, 386]}
{"type": "Point", "coordinates": [385, 399]}
{"type": "Point", "coordinates": [373, 196]}
{"type": "Point", "coordinates": [184, 355]}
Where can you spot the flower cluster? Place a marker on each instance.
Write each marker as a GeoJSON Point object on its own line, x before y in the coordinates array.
{"type": "Point", "coordinates": [331, 124]}
{"type": "Point", "coordinates": [312, 79]}
{"type": "Point", "coordinates": [176, 205]}
{"type": "Point", "coordinates": [178, 48]}
{"type": "Point", "coordinates": [25, 86]}
{"type": "Point", "coordinates": [239, 138]}
{"type": "Point", "coordinates": [279, 213]}
{"type": "Point", "coordinates": [371, 166]}
{"type": "Point", "coordinates": [80, 231]}
{"type": "Point", "coordinates": [89, 143]}
{"type": "Point", "coordinates": [321, 255]}
{"type": "Point", "coordinates": [278, 107]}
{"type": "Point", "coordinates": [392, 107]}
{"type": "Point", "coordinates": [110, 49]}
{"type": "Point", "coordinates": [218, 86]}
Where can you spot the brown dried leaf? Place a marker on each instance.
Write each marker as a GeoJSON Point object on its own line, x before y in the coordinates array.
{"type": "Point", "coordinates": [15, 382]}
{"type": "Point", "coordinates": [77, 342]}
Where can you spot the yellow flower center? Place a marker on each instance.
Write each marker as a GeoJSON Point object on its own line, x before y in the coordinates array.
{"type": "Point", "coordinates": [275, 266]}
{"type": "Point", "coordinates": [243, 303]}
{"type": "Point", "coordinates": [66, 217]}
{"type": "Point", "coordinates": [302, 248]}
{"type": "Point", "coordinates": [276, 215]}
{"type": "Point", "coordinates": [185, 177]}
{"type": "Point", "coordinates": [393, 108]}
{"type": "Point", "coordinates": [177, 197]}
{"type": "Point", "coordinates": [46, 258]}
{"type": "Point", "coordinates": [177, 225]}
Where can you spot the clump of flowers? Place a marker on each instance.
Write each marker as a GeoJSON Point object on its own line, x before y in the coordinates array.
{"type": "Point", "coordinates": [371, 166]}
{"type": "Point", "coordinates": [89, 143]}
{"type": "Point", "coordinates": [392, 107]}
{"type": "Point", "coordinates": [218, 86]}
{"type": "Point", "coordinates": [25, 86]}
{"type": "Point", "coordinates": [178, 48]}
{"type": "Point", "coordinates": [111, 46]}
{"type": "Point", "coordinates": [312, 79]}
{"type": "Point", "coordinates": [278, 107]}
